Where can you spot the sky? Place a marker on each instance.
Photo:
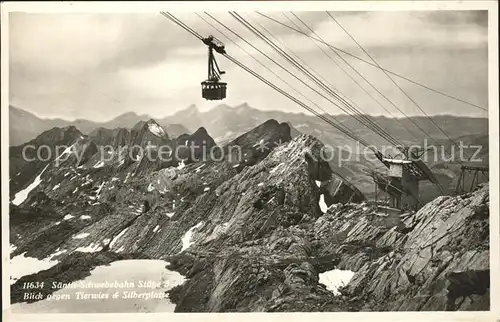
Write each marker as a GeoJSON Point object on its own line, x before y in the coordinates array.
{"type": "Point", "coordinates": [98, 66]}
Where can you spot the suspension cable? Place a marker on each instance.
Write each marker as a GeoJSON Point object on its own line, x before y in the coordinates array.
{"type": "Point", "coordinates": [371, 85]}
{"type": "Point", "coordinates": [348, 102]}
{"type": "Point", "coordinates": [274, 73]}
{"type": "Point", "coordinates": [374, 65]}
{"type": "Point", "coordinates": [181, 24]}
{"type": "Point", "coordinates": [356, 82]}
{"type": "Point", "coordinates": [392, 80]}
{"type": "Point", "coordinates": [284, 93]}
{"type": "Point", "coordinates": [379, 131]}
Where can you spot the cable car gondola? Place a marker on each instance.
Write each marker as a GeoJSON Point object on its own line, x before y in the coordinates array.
{"type": "Point", "coordinates": [213, 88]}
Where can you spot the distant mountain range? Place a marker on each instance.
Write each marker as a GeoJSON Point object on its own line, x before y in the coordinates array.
{"type": "Point", "coordinates": [25, 126]}
{"type": "Point", "coordinates": [225, 123]}
{"type": "Point", "coordinates": [255, 230]}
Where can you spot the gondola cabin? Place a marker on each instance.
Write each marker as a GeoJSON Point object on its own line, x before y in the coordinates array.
{"type": "Point", "coordinates": [212, 88]}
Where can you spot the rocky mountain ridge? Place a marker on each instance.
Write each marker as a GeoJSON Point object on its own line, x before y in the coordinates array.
{"type": "Point", "coordinates": [225, 123]}
{"type": "Point", "coordinates": [253, 233]}
{"type": "Point", "coordinates": [25, 126]}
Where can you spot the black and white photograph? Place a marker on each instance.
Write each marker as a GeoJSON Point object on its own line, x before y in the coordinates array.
{"type": "Point", "coordinates": [221, 160]}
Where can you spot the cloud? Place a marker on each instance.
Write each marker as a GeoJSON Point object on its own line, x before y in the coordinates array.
{"type": "Point", "coordinates": [100, 65]}
{"type": "Point", "coordinates": [97, 41]}
{"type": "Point", "coordinates": [77, 41]}
{"type": "Point", "coordinates": [447, 18]}
{"type": "Point", "coordinates": [401, 29]}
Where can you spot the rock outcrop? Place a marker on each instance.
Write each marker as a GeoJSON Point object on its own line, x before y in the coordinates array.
{"type": "Point", "coordinates": [410, 263]}
{"type": "Point", "coordinates": [436, 259]}
{"type": "Point", "coordinates": [197, 146]}
{"type": "Point", "coordinates": [256, 233]}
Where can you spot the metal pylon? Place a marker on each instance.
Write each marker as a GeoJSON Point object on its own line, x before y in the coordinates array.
{"type": "Point", "coordinates": [470, 171]}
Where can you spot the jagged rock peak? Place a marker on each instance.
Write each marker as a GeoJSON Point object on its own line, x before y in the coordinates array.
{"type": "Point", "coordinates": [122, 137]}
{"type": "Point", "coordinates": [99, 130]}
{"type": "Point", "coordinates": [274, 126]}
{"type": "Point", "coordinates": [202, 136]}
{"type": "Point", "coordinates": [293, 131]}
{"type": "Point", "coordinates": [70, 128]}
{"type": "Point", "coordinates": [271, 122]}
{"type": "Point", "coordinates": [175, 129]}
{"type": "Point", "coordinates": [139, 125]}
{"type": "Point", "coordinates": [270, 130]}
{"type": "Point", "coordinates": [65, 135]}
{"type": "Point", "coordinates": [102, 136]}
{"type": "Point", "coordinates": [201, 130]}
{"type": "Point", "coordinates": [183, 136]}
{"type": "Point", "coordinates": [155, 128]}
{"type": "Point", "coordinates": [199, 136]}
{"type": "Point", "coordinates": [66, 130]}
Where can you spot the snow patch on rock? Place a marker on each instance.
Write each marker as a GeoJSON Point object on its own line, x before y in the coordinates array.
{"type": "Point", "coordinates": [218, 231]}
{"type": "Point", "coordinates": [113, 242]}
{"type": "Point", "coordinates": [181, 165]}
{"type": "Point", "coordinates": [99, 189]}
{"type": "Point", "coordinates": [57, 253]}
{"type": "Point", "coordinates": [186, 239]}
{"type": "Point", "coordinates": [90, 248]}
{"type": "Point", "coordinates": [99, 164]}
{"type": "Point", "coordinates": [156, 129]}
{"type": "Point", "coordinates": [199, 168]}
{"type": "Point", "coordinates": [273, 170]}
{"type": "Point", "coordinates": [21, 266]}
{"type": "Point", "coordinates": [335, 279]}
{"type": "Point", "coordinates": [260, 143]}
{"type": "Point", "coordinates": [81, 236]}
{"type": "Point", "coordinates": [21, 196]}
{"type": "Point", "coordinates": [322, 204]}
{"type": "Point", "coordinates": [67, 150]}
